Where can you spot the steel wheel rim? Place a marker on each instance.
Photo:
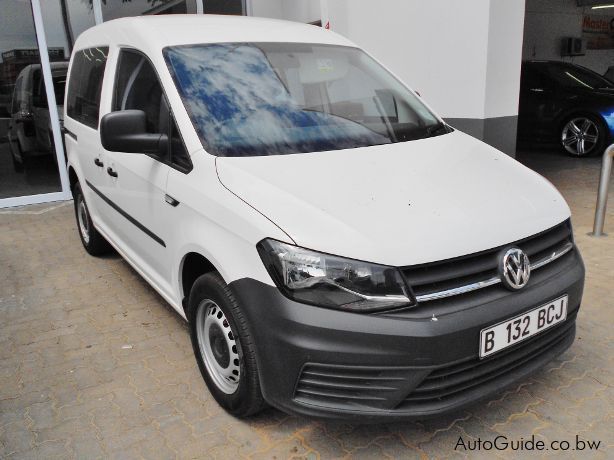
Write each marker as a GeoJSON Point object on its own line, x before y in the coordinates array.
{"type": "Point", "coordinates": [216, 348]}
{"type": "Point", "coordinates": [580, 136]}
{"type": "Point", "coordinates": [84, 222]}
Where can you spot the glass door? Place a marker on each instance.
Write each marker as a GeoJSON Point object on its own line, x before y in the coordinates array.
{"type": "Point", "coordinates": [31, 149]}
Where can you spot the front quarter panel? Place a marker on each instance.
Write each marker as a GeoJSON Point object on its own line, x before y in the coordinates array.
{"type": "Point", "coordinates": [215, 223]}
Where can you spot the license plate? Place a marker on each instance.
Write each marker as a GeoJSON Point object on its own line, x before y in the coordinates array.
{"type": "Point", "coordinates": [519, 328]}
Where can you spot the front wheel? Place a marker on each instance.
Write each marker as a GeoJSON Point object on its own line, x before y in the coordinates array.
{"type": "Point", "coordinates": [583, 135]}
{"type": "Point", "coordinates": [223, 346]}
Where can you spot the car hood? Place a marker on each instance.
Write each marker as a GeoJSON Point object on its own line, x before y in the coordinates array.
{"type": "Point", "coordinates": [398, 204]}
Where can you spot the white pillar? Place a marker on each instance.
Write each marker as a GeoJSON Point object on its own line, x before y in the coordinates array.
{"type": "Point", "coordinates": [43, 52]}
{"type": "Point", "coordinates": [463, 57]}
{"type": "Point", "coordinates": [97, 7]}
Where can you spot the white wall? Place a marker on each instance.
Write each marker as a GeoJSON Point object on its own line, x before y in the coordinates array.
{"type": "Point", "coordinates": [462, 56]}
{"type": "Point", "coordinates": [548, 21]}
{"type": "Point", "coordinates": [437, 47]}
{"type": "Point", "coordinates": [267, 8]}
{"type": "Point", "coordinates": [302, 10]}
{"type": "Point", "coordinates": [505, 30]}
{"type": "Point", "coordinates": [292, 10]}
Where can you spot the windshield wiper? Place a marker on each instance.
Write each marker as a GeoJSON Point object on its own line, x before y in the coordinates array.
{"type": "Point", "coordinates": [438, 129]}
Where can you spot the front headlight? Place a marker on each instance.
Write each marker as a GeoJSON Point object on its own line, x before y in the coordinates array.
{"type": "Point", "coordinates": [334, 282]}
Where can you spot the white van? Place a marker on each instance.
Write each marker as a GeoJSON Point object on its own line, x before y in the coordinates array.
{"type": "Point", "coordinates": [337, 249]}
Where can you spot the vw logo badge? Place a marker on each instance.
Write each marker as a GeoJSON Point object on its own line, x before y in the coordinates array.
{"type": "Point", "coordinates": [515, 269]}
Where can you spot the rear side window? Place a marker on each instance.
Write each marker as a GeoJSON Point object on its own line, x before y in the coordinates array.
{"type": "Point", "coordinates": [85, 85]}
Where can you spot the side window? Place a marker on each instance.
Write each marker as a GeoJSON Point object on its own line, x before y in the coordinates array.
{"type": "Point", "coordinates": [85, 85]}
{"type": "Point", "coordinates": [137, 88]}
{"type": "Point", "coordinates": [532, 78]}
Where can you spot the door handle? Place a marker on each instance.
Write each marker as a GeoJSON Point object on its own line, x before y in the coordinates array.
{"type": "Point", "coordinates": [111, 172]}
{"type": "Point", "coordinates": [98, 163]}
{"type": "Point", "coordinates": [170, 200]}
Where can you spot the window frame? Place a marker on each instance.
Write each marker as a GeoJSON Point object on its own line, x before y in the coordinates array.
{"type": "Point", "coordinates": [171, 119]}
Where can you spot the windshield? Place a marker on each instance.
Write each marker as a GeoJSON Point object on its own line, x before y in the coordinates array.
{"type": "Point", "coordinates": [576, 76]}
{"type": "Point", "coordinates": [248, 99]}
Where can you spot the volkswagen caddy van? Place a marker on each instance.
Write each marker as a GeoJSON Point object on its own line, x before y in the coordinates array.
{"type": "Point", "coordinates": [337, 249]}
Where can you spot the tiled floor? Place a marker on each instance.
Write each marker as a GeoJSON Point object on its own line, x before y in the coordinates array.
{"type": "Point", "coordinates": [39, 176]}
{"type": "Point", "coordinates": [94, 364]}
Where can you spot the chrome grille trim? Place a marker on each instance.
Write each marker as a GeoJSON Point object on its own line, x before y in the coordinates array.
{"type": "Point", "coordinates": [495, 279]}
{"type": "Point", "coordinates": [553, 256]}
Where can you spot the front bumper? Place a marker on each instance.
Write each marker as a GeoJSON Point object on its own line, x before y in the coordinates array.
{"type": "Point", "coordinates": [332, 364]}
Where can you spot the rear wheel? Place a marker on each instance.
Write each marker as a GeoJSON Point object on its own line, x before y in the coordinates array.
{"type": "Point", "coordinates": [18, 165]}
{"type": "Point", "coordinates": [223, 346]}
{"type": "Point", "coordinates": [583, 135]}
{"type": "Point", "coordinates": [93, 242]}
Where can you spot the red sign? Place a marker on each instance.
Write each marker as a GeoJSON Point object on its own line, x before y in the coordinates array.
{"type": "Point", "coordinates": [598, 31]}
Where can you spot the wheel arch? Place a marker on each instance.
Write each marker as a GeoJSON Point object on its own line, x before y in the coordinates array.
{"type": "Point", "coordinates": [72, 177]}
{"type": "Point", "coordinates": [577, 112]}
{"type": "Point", "coordinates": [192, 266]}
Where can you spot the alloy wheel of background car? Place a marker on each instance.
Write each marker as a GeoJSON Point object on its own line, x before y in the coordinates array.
{"type": "Point", "coordinates": [218, 346]}
{"type": "Point", "coordinates": [581, 136]}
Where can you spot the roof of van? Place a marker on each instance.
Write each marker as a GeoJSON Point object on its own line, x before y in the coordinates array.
{"type": "Point", "coordinates": [152, 33]}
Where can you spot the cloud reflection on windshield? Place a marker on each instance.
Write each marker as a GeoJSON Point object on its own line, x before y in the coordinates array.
{"type": "Point", "coordinates": [240, 106]}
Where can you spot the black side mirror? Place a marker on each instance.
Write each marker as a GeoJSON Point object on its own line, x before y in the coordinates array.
{"type": "Point", "coordinates": [125, 131]}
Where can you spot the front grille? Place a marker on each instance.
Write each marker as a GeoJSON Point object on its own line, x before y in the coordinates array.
{"type": "Point", "coordinates": [451, 382]}
{"type": "Point", "coordinates": [429, 280]}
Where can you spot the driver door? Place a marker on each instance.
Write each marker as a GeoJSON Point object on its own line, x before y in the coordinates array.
{"type": "Point", "coordinates": [138, 181]}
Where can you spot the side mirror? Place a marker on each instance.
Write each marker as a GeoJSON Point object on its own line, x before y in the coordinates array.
{"type": "Point", "coordinates": [125, 131]}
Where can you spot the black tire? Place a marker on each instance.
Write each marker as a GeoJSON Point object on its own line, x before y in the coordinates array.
{"type": "Point", "coordinates": [93, 242]}
{"type": "Point", "coordinates": [596, 128]}
{"type": "Point", "coordinates": [208, 292]}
